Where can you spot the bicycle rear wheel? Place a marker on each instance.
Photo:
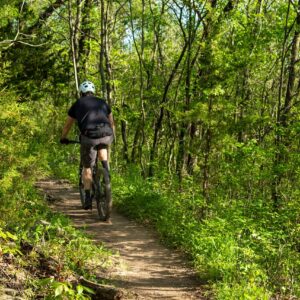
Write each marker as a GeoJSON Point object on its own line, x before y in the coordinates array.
{"type": "Point", "coordinates": [81, 188]}
{"type": "Point", "coordinates": [103, 195]}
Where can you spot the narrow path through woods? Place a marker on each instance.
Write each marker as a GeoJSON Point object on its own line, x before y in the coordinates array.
{"type": "Point", "coordinates": [148, 269]}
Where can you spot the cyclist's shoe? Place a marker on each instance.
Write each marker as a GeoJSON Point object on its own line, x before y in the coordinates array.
{"type": "Point", "coordinates": [108, 221]}
{"type": "Point", "coordinates": [88, 205]}
{"type": "Point", "coordinates": [88, 201]}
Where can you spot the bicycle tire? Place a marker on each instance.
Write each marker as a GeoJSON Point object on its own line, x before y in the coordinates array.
{"type": "Point", "coordinates": [81, 188]}
{"type": "Point", "coordinates": [103, 195]}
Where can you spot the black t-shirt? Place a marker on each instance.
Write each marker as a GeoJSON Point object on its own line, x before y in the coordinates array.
{"type": "Point", "coordinates": [89, 111]}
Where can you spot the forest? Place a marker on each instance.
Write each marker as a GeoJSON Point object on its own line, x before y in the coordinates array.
{"type": "Point", "coordinates": [205, 95]}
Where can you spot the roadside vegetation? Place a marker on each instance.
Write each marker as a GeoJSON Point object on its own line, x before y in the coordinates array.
{"type": "Point", "coordinates": [41, 254]}
{"type": "Point", "coordinates": [205, 95]}
{"type": "Point", "coordinates": [242, 248]}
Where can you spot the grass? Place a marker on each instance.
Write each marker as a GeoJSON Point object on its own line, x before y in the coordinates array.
{"type": "Point", "coordinates": [242, 253]}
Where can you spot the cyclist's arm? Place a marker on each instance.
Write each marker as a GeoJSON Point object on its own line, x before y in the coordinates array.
{"type": "Point", "coordinates": [68, 124]}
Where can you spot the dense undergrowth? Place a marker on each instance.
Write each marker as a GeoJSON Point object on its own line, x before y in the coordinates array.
{"type": "Point", "coordinates": [39, 248]}
{"type": "Point", "coordinates": [240, 246]}
{"type": "Point", "coordinates": [245, 250]}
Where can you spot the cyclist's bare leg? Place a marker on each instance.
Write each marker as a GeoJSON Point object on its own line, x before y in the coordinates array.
{"type": "Point", "coordinates": [102, 154]}
{"type": "Point", "coordinates": [103, 157]}
{"type": "Point", "coordinates": [87, 178]}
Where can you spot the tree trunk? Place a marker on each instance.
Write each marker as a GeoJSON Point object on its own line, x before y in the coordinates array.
{"type": "Point", "coordinates": [102, 49]}
{"type": "Point", "coordinates": [139, 138]}
{"type": "Point", "coordinates": [283, 111]}
{"type": "Point", "coordinates": [84, 41]}
{"type": "Point", "coordinates": [184, 125]}
{"type": "Point", "coordinates": [73, 28]}
{"type": "Point", "coordinates": [158, 123]}
{"type": "Point", "coordinates": [124, 138]}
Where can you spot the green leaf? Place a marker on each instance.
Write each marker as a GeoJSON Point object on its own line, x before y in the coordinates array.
{"type": "Point", "coordinates": [11, 236]}
{"type": "Point", "coordinates": [88, 290]}
{"type": "Point", "coordinates": [59, 290]}
{"type": "Point", "coordinates": [79, 289]}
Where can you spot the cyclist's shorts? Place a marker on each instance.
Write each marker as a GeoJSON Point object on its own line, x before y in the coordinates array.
{"type": "Point", "coordinates": [90, 147]}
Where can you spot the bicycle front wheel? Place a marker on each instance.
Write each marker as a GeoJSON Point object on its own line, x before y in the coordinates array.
{"type": "Point", "coordinates": [103, 195]}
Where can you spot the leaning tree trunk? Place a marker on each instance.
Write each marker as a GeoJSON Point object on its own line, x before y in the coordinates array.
{"type": "Point", "coordinates": [158, 123]}
{"type": "Point", "coordinates": [283, 113]}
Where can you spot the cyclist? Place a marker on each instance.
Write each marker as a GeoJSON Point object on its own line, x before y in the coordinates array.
{"type": "Point", "coordinates": [95, 121]}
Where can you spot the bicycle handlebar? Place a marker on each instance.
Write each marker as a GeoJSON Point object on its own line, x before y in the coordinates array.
{"type": "Point", "coordinates": [67, 142]}
{"type": "Point", "coordinates": [73, 142]}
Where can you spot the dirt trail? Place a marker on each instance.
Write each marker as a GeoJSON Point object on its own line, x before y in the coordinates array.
{"type": "Point", "coordinates": [147, 268]}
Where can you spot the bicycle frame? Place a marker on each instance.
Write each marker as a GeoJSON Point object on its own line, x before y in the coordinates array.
{"type": "Point", "coordinates": [101, 188]}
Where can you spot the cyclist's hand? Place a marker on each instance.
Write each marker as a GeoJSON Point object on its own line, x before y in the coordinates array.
{"type": "Point", "coordinates": [64, 141]}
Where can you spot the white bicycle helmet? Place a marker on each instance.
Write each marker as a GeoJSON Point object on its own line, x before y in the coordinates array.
{"type": "Point", "coordinates": [87, 86]}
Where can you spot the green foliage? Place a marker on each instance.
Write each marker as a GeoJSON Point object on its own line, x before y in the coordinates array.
{"type": "Point", "coordinates": [242, 248]}
{"type": "Point", "coordinates": [63, 291]}
{"type": "Point", "coordinates": [219, 119]}
{"type": "Point", "coordinates": [8, 13]}
{"type": "Point", "coordinates": [8, 245]}
{"type": "Point", "coordinates": [25, 217]}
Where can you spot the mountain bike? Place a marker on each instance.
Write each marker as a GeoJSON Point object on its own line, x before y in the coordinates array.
{"type": "Point", "coordinates": [101, 189]}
